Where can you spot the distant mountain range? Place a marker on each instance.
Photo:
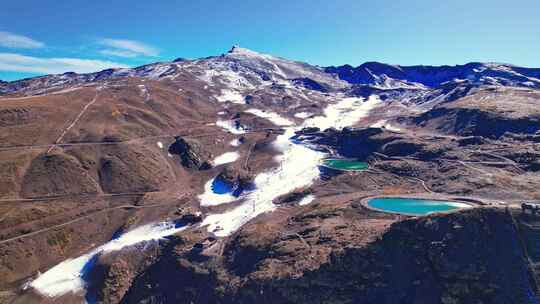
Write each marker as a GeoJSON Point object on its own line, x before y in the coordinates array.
{"type": "Point", "coordinates": [395, 76]}
{"type": "Point", "coordinates": [372, 74]}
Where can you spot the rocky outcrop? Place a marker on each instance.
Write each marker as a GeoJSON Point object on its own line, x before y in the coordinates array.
{"type": "Point", "coordinates": [236, 178]}
{"type": "Point", "coordinates": [491, 112]}
{"type": "Point", "coordinates": [310, 84]}
{"type": "Point", "coordinates": [472, 256]}
{"type": "Point", "coordinates": [476, 122]}
{"type": "Point", "coordinates": [191, 153]}
{"type": "Point", "coordinates": [293, 197]}
{"type": "Point", "coordinates": [526, 157]}
{"type": "Point", "coordinates": [363, 143]}
{"type": "Point", "coordinates": [113, 273]}
{"type": "Point", "coordinates": [439, 259]}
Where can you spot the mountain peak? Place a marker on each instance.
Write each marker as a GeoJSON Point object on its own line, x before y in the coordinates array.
{"type": "Point", "coordinates": [237, 50]}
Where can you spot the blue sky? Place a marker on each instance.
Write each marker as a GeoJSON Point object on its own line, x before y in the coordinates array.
{"type": "Point", "coordinates": [53, 36]}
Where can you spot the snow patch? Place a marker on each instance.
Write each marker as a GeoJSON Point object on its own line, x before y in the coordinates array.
{"type": "Point", "coordinates": [159, 144]}
{"type": "Point", "coordinates": [232, 96]}
{"type": "Point", "coordinates": [235, 142]}
{"type": "Point", "coordinates": [298, 168]}
{"type": "Point", "coordinates": [226, 158]}
{"type": "Point", "coordinates": [68, 275]}
{"type": "Point", "coordinates": [343, 113]}
{"type": "Point", "coordinates": [302, 115]}
{"type": "Point", "coordinates": [307, 200]}
{"type": "Point", "coordinates": [273, 117]}
{"type": "Point", "coordinates": [383, 124]}
{"type": "Point", "coordinates": [231, 126]}
{"type": "Point", "coordinates": [210, 198]}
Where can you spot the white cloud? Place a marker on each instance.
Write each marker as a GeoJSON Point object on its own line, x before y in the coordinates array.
{"type": "Point", "coordinates": [118, 53]}
{"type": "Point", "coordinates": [21, 63]}
{"type": "Point", "coordinates": [127, 48]}
{"type": "Point", "coordinates": [15, 41]}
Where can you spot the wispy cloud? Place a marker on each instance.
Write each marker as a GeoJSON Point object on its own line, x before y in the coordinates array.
{"type": "Point", "coordinates": [118, 53]}
{"type": "Point", "coordinates": [127, 48]}
{"type": "Point", "coordinates": [15, 41]}
{"type": "Point", "coordinates": [20, 63]}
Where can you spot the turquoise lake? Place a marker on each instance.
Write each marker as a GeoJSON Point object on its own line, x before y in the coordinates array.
{"type": "Point", "coordinates": [345, 164]}
{"type": "Point", "coordinates": [413, 206]}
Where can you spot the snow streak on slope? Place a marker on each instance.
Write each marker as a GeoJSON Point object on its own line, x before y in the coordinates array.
{"type": "Point", "coordinates": [232, 96]}
{"type": "Point", "coordinates": [298, 167]}
{"type": "Point", "coordinates": [68, 276]}
{"type": "Point", "coordinates": [230, 126]}
{"type": "Point", "coordinates": [307, 200]}
{"type": "Point", "coordinates": [342, 114]}
{"type": "Point", "coordinates": [273, 117]}
{"type": "Point", "coordinates": [235, 142]}
{"type": "Point", "coordinates": [302, 115]}
{"type": "Point", "coordinates": [226, 158]}
{"type": "Point", "coordinates": [210, 198]}
{"type": "Point", "coordinates": [383, 124]}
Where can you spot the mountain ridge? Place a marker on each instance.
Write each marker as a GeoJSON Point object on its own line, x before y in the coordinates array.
{"type": "Point", "coordinates": [371, 73]}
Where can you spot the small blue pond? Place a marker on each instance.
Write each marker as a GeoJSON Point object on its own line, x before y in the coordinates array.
{"type": "Point", "coordinates": [414, 206]}
{"type": "Point", "coordinates": [220, 186]}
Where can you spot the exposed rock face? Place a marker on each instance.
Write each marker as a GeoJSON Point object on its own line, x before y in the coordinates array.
{"type": "Point", "coordinates": [293, 197]}
{"type": "Point", "coordinates": [475, 122]}
{"type": "Point", "coordinates": [490, 113]}
{"type": "Point", "coordinates": [363, 143]}
{"type": "Point", "coordinates": [191, 153]}
{"type": "Point", "coordinates": [238, 179]}
{"type": "Point", "coordinates": [114, 273]}
{"type": "Point", "coordinates": [310, 84]}
{"type": "Point", "coordinates": [528, 158]}
{"type": "Point", "coordinates": [452, 258]}
{"type": "Point", "coordinates": [445, 261]}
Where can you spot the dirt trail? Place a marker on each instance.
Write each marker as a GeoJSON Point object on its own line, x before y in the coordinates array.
{"type": "Point", "coordinates": [137, 140]}
{"type": "Point", "coordinates": [52, 197]}
{"type": "Point", "coordinates": [128, 206]}
{"type": "Point", "coordinates": [74, 122]}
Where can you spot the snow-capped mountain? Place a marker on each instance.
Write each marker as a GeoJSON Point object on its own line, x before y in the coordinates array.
{"type": "Point", "coordinates": [385, 76]}
{"type": "Point", "coordinates": [234, 75]}
{"type": "Point", "coordinates": [239, 68]}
